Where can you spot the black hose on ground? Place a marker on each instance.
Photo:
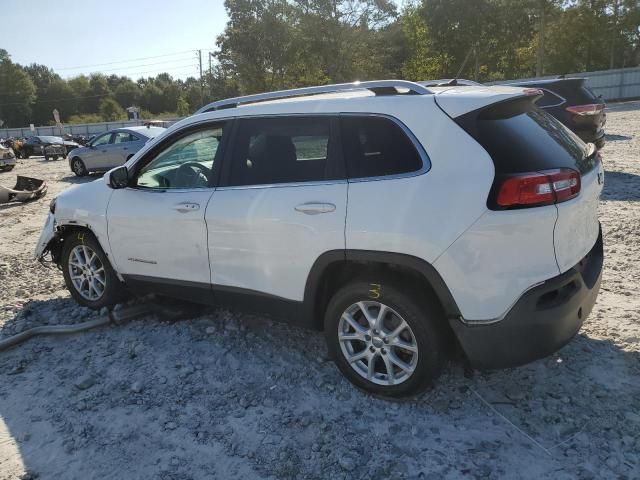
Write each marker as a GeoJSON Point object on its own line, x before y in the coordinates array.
{"type": "Point", "coordinates": [118, 317]}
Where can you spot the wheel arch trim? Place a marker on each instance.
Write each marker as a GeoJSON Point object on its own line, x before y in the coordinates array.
{"type": "Point", "coordinates": [381, 258]}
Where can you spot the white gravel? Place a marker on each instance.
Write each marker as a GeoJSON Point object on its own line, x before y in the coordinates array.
{"type": "Point", "coordinates": [226, 395]}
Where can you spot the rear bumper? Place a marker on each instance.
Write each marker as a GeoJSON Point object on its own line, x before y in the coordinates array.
{"type": "Point", "coordinates": [542, 321]}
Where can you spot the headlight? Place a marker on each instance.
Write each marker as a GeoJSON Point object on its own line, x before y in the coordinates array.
{"type": "Point", "coordinates": [52, 205]}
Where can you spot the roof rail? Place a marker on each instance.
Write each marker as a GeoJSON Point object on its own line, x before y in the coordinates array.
{"type": "Point", "coordinates": [379, 87]}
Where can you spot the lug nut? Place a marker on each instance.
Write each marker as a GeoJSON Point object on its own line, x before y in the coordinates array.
{"type": "Point", "coordinates": [384, 351]}
{"type": "Point", "coordinates": [367, 338]}
{"type": "Point", "coordinates": [372, 348]}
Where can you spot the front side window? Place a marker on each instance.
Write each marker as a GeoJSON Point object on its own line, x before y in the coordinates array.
{"type": "Point", "coordinates": [184, 164]}
{"type": "Point", "coordinates": [281, 150]}
{"type": "Point", "coordinates": [102, 140]}
{"type": "Point", "coordinates": [376, 146]}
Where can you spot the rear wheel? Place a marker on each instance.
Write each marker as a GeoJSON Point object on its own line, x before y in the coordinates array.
{"type": "Point", "coordinates": [78, 167]}
{"type": "Point", "coordinates": [87, 272]}
{"type": "Point", "coordinates": [46, 158]}
{"type": "Point", "coordinates": [384, 339]}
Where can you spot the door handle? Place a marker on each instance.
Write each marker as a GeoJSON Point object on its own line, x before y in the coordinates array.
{"type": "Point", "coordinates": [186, 207]}
{"type": "Point", "coordinates": [124, 148]}
{"type": "Point", "coordinates": [315, 208]}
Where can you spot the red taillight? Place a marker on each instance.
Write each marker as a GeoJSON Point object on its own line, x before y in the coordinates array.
{"type": "Point", "coordinates": [538, 188]}
{"type": "Point", "coordinates": [591, 109]}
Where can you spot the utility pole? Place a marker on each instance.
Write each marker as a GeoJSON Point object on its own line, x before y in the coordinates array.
{"type": "Point", "coordinates": [541, 28]}
{"type": "Point", "coordinates": [201, 83]}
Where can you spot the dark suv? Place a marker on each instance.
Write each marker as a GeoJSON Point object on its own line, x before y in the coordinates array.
{"type": "Point", "coordinates": [574, 104]}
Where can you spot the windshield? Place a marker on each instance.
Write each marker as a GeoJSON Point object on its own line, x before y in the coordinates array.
{"type": "Point", "coordinates": [51, 139]}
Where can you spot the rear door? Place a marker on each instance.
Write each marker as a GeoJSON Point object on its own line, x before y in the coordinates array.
{"type": "Point", "coordinates": [282, 203]}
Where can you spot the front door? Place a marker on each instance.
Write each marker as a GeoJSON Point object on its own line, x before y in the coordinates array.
{"type": "Point", "coordinates": [282, 205]}
{"type": "Point", "coordinates": [156, 226]}
{"type": "Point", "coordinates": [97, 157]}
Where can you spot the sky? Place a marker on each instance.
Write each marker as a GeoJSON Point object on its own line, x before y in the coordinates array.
{"type": "Point", "coordinates": [135, 38]}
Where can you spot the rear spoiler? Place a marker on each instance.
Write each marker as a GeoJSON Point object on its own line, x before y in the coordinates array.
{"type": "Point", "coordinates": [458, 102]}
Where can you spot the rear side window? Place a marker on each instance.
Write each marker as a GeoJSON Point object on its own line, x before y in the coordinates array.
{"type": "Point", "coordinates": [281, 150]}
{"type": "Point", "coordinates": [522, 138]}
{"type": "Point", "coordinates": [376, 147]}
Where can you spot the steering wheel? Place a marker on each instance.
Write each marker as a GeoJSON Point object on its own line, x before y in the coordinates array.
{"type": "Point", "coordinates": [192, 174]}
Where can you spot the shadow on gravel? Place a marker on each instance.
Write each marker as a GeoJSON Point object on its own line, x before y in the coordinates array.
{"type": "Point", "coordinates": [227, 395]}
{"type": "Point", "coordinates": [615, 138]}
{"type": "Point", "coordinates": [72, 178]}
{"type": "Point", "coordinates": [624, 106]}
{"type": "Point", "coordinates": [621, 186]}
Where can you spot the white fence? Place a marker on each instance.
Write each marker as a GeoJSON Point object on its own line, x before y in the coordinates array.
{"type": "Point", "coordinates": [86, 129]}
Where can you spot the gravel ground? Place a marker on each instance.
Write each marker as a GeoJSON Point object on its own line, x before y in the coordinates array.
{"type": "Point", "coordinates": [227, 395]}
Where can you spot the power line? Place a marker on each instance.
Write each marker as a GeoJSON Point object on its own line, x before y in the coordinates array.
{"type": "Point", "coordinates": [138, 65]}
{"type": "Point", "coordinates": [123, 61]}
{"type": "Point", "coordinates": [159, 69]}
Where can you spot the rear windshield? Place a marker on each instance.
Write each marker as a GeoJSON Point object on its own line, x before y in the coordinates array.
{"type": "Point", "coordinates": [522, 138]}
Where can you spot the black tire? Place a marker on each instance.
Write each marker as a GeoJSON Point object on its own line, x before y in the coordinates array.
{"type": "Point", "coordinates": [420, 310]}
{"type": "Point", "coordinates": [8, 168]}
{"type": "Point", "coordinates": [113, 290]}
{"type": "Point", "coordinates": [78, 167]}
{"type": "Point", "coordinates": [24, 155]}
{"type": "Point", "coordinates": [46, 158]}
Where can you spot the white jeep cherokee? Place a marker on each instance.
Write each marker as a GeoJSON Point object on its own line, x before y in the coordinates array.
{"type": "Point", "coordinates": [403, 221]}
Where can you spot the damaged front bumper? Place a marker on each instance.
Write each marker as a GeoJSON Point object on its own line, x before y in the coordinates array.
{"type": "Point", "coordinates": [26, 189]}
{"type": "Point", "coordinates": [46, 236]}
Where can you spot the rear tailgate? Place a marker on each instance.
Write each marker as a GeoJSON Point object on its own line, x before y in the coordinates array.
{"type": "Point", "coordinates": [521, 138]}
{"type": "Point", "coordinates": [577, 228]}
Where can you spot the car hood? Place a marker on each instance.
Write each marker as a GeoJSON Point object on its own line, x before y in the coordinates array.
{"type": "Point", "coordinates": [69, 143]}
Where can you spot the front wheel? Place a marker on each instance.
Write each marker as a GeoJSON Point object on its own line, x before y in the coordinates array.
{"type": "Point", "coordinates": [78, 167]}
{"type": "Point", "coordinates": [87, 272]}
{"type": "Point", "coordinates": [46, 158]}
{"type": "Point", "coordinates": [383, 339]}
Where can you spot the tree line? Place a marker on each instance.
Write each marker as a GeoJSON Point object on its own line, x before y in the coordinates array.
{"type": "Point", "coordinates": [275, 44]}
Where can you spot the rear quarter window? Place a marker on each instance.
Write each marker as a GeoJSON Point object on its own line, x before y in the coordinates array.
{"type": "Point", "coordinates": [376, 147]}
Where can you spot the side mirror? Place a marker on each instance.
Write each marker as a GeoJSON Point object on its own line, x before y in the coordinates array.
{"type": "Point", "coordinates": [119, 178]}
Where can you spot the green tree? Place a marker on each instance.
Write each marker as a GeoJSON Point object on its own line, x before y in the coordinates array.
{"type": "Point", "coordinates": [127, 93]}
{"type": "Point", "coordinates": [17, 92]}
{"type": "Point", "coordinates": [183, 107]}
{"type": "Point", "coordinates": [110, 110]}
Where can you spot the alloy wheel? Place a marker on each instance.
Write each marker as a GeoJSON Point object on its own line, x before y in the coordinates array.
{"type": "Point", "coordinates": [87, 272]}
{"type": "Point", "coordinates": [378, 343]}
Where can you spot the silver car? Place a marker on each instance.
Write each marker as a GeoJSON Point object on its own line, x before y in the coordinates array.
{"type": "Point", "coordinates": [110, 149]}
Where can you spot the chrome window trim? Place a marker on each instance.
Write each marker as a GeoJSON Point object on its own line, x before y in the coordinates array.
{"type": "Point", "coordinates": [424, 156]}
{"type": "Point", "coordinates": [426, 161]}
{"type": "Point", "coordinates": [563, 100]}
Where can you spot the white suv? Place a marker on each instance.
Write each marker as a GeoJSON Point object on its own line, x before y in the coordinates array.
{"type": "Point", "coordinates": [405, 222]}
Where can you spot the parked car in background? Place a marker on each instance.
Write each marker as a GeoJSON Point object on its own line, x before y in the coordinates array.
{"type": "Point", "coordinates": [340, 208]}
{"type": "Point", "coordinates": [37, 145]}
{"type": "Point", "coordinates": [7, 159]}
{"type": "Point", "coordinates": [574, 104]}
{"type": "Point", "coordinates": [110, 149]}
